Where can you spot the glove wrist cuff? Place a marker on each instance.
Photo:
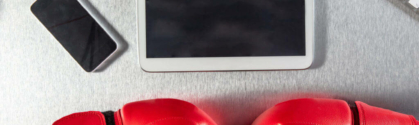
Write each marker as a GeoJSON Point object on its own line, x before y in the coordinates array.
{"type": "Point", "coordinates": [109, 117]}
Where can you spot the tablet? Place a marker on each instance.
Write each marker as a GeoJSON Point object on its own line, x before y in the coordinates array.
{"type": "Point", "coordinates": [225, 35]}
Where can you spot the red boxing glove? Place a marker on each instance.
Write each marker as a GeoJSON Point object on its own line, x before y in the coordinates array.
{"type": "Point", "coordinates": [150, 112]}
{"type": "Point", "coordinates": [307, 112]}
{"type": "Point", "coordinates": [369, 115]}
{"type": "Point", "coordinates": [330, 112]}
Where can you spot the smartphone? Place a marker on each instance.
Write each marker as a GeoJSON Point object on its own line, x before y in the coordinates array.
{"type": "Point", "coordinates": [80, 29]}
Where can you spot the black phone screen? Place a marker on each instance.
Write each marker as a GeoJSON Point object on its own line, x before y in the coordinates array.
{"type": "Point", "coordinates": [76, 30]}
{"type": "Point", "coordinates": [225, 28]}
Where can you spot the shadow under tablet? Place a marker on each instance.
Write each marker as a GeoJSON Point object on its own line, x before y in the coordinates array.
{"type": "Point", "coordinates": [321, 32]}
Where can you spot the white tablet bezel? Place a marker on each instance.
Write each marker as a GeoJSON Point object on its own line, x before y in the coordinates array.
{"type": "Point", "coordinates": [225, 63]}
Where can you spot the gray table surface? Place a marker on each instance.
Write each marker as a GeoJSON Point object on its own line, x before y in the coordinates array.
{"type": "Point", "coordinates": [367, 50]}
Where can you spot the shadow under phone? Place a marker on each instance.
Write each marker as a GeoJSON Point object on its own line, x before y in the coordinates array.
{"type": "Point", "coordinates": [402, 5]}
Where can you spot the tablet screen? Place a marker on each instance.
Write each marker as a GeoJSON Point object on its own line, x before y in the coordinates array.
{"type": "Point", "coordinates": [225, 28]}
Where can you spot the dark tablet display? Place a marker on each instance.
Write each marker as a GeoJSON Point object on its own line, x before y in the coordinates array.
{"type": "Point", "coordinates": [225, 28]}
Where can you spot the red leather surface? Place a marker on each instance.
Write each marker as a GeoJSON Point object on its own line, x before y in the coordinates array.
{"type": "Point", "coordinates": [84, 118]}
{"type": "Point", "coordinates": [307, 112]}
{"type": "Point", "coordinates": [117, 118]}
{"type": "Point", "coordinates": [369, 115]}
{"type": "Point", "coordinates": [163, 112]}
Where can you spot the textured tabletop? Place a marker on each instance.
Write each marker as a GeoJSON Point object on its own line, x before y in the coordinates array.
{"type": "Point", "coordinates": [366, 50]}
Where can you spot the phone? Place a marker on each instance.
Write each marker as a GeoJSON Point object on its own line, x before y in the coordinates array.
{"type": "Point", "coordinates": [80, 30]}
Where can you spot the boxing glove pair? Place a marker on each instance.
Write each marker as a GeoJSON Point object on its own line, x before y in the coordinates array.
{"type": "Point", "coordinates": [294, 112]}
